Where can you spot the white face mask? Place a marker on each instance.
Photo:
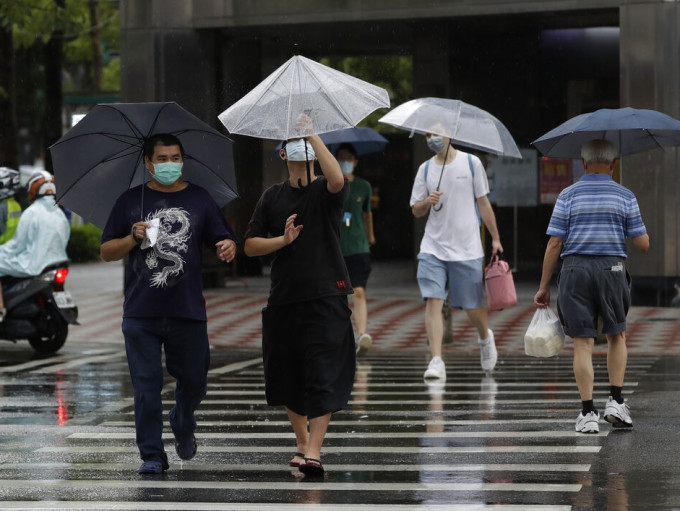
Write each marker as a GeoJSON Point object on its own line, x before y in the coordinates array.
{"type": "Point", "coordinates": [295, 151]}
{"type": "Point", "coordinates": [436, 144]}
{"type": "Point", "coordinates": [346, 166]}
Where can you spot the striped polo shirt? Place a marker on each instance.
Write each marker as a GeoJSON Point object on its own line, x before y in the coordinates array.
{"type": "Point", "coordinates": [593, 217]}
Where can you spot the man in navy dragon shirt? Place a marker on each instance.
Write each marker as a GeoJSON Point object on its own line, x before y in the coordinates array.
{"type": "Point", "coordinates": [164, 306]}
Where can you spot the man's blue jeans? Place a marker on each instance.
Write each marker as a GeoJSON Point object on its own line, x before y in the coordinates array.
{"type": "Point", "coordinates": [187, 358]}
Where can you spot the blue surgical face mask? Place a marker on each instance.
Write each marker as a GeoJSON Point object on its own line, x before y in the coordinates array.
{"type": "Point", "coordinates": [168, 172]}
{"type": "Point", "coordinates": [347, 167]}
{"type": "Point", "coordinates": [295, 151]}
{"type": "Point", "coordinates": [436, 144]}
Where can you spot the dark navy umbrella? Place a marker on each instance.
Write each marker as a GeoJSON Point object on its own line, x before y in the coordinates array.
{"type": "Point", "coordinates": [102, 156]}
{"type": "Point", "coordinates": [631, 130]}
{"type": "Point", "coordinates": [364, 140]}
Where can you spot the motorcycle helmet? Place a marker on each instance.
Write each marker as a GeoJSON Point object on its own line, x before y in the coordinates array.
{"type": "Point", "coordinates": [9, 182]}
{"type": "Point", "coordinates": [40, 183]}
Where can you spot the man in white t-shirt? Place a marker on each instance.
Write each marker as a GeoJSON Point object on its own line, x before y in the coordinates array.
{"type": "Point", "coordinates": [452, 188]}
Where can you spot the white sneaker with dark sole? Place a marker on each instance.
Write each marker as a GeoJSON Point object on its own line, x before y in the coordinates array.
{"type": "Point", "coordinates": [436, 369]}
{"type": "Point", "coordinates": [588, 423]}
{"type": "Point", "coordinates": [618, 415]}
{"type": "Point", "coordinates": [488, 353]}
{"type": "Point", "coordinates": [363, 343]}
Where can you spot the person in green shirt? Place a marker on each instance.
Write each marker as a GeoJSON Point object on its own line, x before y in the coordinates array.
{"type": "Point", "coordinates": [356, 237]}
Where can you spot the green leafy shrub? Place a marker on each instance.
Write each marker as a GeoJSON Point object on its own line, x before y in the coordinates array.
{"type": "Point", "coordinates": [83, 245]}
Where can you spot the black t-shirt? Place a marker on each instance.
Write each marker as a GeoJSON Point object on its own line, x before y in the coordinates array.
{"type": "Point", "coordinates": [312, 266]}
{"type": "Point", "coordinates": [165, 280]}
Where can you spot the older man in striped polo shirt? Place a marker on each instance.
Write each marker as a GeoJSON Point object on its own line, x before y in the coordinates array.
{"type": "Point", "coordinates": [588, 230]}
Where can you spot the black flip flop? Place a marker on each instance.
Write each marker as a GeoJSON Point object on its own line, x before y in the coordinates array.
{"type": "Point", "coordinates": [312, 467]}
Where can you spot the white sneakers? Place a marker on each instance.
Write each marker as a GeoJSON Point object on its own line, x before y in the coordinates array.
{"type": "Point", "coordinates": [363, 343]}
{"type": "Point", "coordinates": [618, 415]}
{"type": "Point", "coordinates": [488, 352]}
{"type": "Point", "coordinates": [588, 423]}
{"type": "Point", "coordinates": [488, 358]}
{"type": "Point", "coordinates": [436, 369]}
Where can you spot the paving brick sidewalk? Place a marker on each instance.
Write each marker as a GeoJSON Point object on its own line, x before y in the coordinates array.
{"type": "Point", "coordinates": [396, 313]}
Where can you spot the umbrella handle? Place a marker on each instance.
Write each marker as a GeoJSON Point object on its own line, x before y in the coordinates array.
{"type": "Point", "coordinates": [446, 155]}
{"type": "Point", "coordinates": [309, 174]}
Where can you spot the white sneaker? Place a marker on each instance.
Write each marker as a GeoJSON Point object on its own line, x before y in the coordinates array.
{"type": "Point", "coordinates": [588, 423]}
{"type": "Point", "coordinates": [436, 388]}
{"type": "Point", "coordinates": [488, 353]}
{"type": "Point", "coordinates": [618, 415]}
{"type": "Point", "coordinates": [435, 369]}
{"type": "Point", "coordinates": [487, 395]}
{"type": "Point", "coordinates": [363, 343]}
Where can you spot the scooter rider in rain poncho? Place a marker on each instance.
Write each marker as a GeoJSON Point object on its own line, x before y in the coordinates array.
{"type": "Point", "coordinates": [10, 209]}
{"type": "Point", "coordinates": [41, 236]}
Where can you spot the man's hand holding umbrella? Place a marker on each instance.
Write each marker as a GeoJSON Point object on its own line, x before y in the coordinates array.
{"type": "Point", "coordinates": [138, 231]}
{"type": "Point", "coordinates": [329, 165]}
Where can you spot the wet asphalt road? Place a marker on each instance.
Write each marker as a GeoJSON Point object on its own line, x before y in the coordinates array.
{"type": "Point", "coordinates": [479, 442]}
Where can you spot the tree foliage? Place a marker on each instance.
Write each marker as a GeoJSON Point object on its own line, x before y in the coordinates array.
{"type": "Point", "coordinates": [395, 74]}
{"type": "Point", "coordinates": [33, 22]}
{"type": "Point", "coordinates": [57, 46]}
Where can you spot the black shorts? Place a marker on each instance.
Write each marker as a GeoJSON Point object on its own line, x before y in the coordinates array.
{"type": "Point", "coordinates": [359, 268]}
{"type": "Point", "coordinates": [309, 355]}
{"type": "Point", "coordinates": [592, 286]}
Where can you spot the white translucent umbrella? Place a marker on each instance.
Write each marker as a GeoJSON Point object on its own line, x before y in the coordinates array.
{"type": "Point", "coordinates": [464, 124]}
{"type": "Point", "coordinates": [332, 99]}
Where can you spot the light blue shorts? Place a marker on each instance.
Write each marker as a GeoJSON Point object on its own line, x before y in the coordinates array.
{"type": "Point", "coordinates": [462, 280]}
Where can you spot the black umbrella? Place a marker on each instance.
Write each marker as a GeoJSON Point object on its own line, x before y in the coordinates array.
{"type": "Point", "coordinates": [102, 156]}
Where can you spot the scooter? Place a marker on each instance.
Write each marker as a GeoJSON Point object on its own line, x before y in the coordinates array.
{"type": "Point", "coordinates": [39, 309]}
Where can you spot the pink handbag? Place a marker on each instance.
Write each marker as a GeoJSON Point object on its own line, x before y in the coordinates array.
{"type": "Point", "coordinates": [500, 287]}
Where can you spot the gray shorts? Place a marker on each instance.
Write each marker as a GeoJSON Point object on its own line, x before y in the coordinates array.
{"type": "Point", "coordinates": [592, 286]}
{"type": "Point", "coordinates": [462, 281]}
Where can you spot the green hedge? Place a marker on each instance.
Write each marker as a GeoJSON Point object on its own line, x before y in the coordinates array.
{"type": "Point", "coordinates": [83, 245]}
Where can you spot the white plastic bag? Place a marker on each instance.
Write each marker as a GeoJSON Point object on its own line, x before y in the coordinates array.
{"type": "Point", "coordinates": [544, 337]}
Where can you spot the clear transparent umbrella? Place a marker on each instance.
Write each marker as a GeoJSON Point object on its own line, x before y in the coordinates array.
{"type": "Point", "coordinates": [332, 99]}
{"type": "Point", "coordinates": [464, 124]}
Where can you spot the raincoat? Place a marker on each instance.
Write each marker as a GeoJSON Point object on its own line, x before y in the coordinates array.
{"type": "Point", "coordinates": [40, 240]}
